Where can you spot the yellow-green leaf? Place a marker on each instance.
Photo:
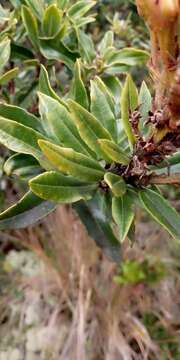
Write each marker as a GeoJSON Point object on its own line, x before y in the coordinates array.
{"type": "Point", "coordinates": [116, 184]}
{"type": "Point", "coordinates": [8, 75]}
{"type": "Point", "coordinates": [114, 152]}
{"type": "Point", "coordinates": [58, 124]}
{"type": "Point", "coordinates": [71, 162]}
{"type": "Point", "coordinates": [21, 116]}
{"type": "Point", "coordinates": [80, 8]}
{"type": "Point", "coordinates": [45, 86]}
{"type": "Point", "coordinates": [60, 188]}
{"type": "Point", "coordinates": [31, 25]}
{"type": "Point", "coordinates": [22, 139]}
{"type": "Point", "coordinates": [90, 129]}
{"type": "Point", "coordinates": [51, 21]}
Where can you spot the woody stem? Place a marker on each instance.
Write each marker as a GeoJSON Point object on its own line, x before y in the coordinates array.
{"type": "Point", "coordinates": [165, 180]}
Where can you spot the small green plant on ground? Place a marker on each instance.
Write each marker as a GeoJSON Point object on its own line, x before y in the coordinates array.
{"type": "Point", "coordinates": [98, 144]}
{"type": "Point", "coordinates": [135, 272]}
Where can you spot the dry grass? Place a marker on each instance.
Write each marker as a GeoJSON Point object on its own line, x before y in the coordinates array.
{"type": "Point", "coordinates": [91, 317]}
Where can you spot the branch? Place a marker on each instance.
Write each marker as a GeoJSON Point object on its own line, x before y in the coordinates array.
{"type": "Point", "coordinates": [165, 180]}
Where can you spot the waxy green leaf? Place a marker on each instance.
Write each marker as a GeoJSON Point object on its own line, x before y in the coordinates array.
{"type": "Point", "coordinates": [86, 46]}
{"type": "Point", "coordinates": [107, 42]}
{"type": "Point", "coordinates": [107, 94]}
{"type": "Point", "coordinates": [31, 25]}
{"type": "Point", "coordinates": [37, 7]}
{"type": "Point", "coordinates": [89, 127]}
{"type": "Point", "coordinates": [71, 162]}
{"type": "Point", "coordinates": [114, 152]}
{"type": "Point", "coordinates": [58, 124]}
{"type": "Point", "coordinates": [60, 188]}
{"type": "Point", "coordinates": [126, 56]}
{"type": "Point", "coordinates": [25, 212]}
{"type": "Point", "coordinates": [116, 184]}
{"type": "Point", "coordinates": [54, 49]}
{"type": "Point", "coordinates": [161, 210]}
{"type": "Point", "coordinates": [101, 108]}
{"type": "Point", "coordinates": [129, 102]}
{"type": "Point", "coordinates": [62, 3]}
{"type": "Point", "coordinates": [145, 103]}
{"type": "Point", "coordinates": [80, 8]}
{"type": "Point", "coordinates": [22, 165]}
{"type": "Point", "coordinates": [9, 75]}
{"type": "Point", "coordinates": [51, 21]}
{"type": "Point", "coordinates": [78, 89]}
{"type": "Point", "coordinates": [22, 139]}
{"type": "Point", "coordinates": [123, 214]}
{"type": "Point", "coordinates": [21, 116]}
{"type": "Point", "coordinates": [114, 86]}
{"type": "Point", "coordinates": [45, 86]}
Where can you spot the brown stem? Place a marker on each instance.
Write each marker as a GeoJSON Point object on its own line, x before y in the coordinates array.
{"type": "Point", "coordinates": [165, 180]}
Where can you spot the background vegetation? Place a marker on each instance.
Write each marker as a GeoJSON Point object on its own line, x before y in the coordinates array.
{"type": "Point", "coordinates": [61, 297]}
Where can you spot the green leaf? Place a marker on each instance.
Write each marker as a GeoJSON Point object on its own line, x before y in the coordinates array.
{"type": "Point", "coordinates": [4, 53]}
{"type": "Point", "coordinates": [21, 116]}
{"type": "Point", "coordinates": [54, 49]}
{"type": "Point", "coordinates": [37, 7]}
{"type": "Point", "coordinates": [60, 188]}
{"type": "Point", "coordinates": [78, 89]}
{"type": "Point", "coordinates": [45, 86]}
{"type": "Point", "coordinates": [161, 210]}
{"type": "Point", "coordinates": [80, 22]}
{"type": "Point", "coordinates": [129, 102]}
{"type": "Point", "coordinates": [86, 46]}
{"type": "Point", "coordinates": [22, 165]}
{"type": "Point", "coordinates": [71, 162]}
{"type": "Point", "coordinates": [90, 129]}
{"type": "Point", "coordinates": [31, 25]}
{"type": "Point", "coordinates": [9, 75]}
{"type": "Point", "coordinates": [20, 52]}
{"type": "Point", "coordinates": [107, 94]}
{"type": "Point", "coordinates": [126, 56]}
{"type": "Point", "coordinates": [145, 102]}
{"type": "Point", "coordinates": [114, 85]}
{"type": "Point", "coordinates": [116, 184]}
{"type": "Point", "coordinates": [27, 211]}
{"type": "Point", "coordinates": [114, 152]}
{"type": "Point", "coordinates": [116, 69]}
{"type": "Point", "coordinates": [98, 228]}
{"type": "Point", "coordinates": [123, 214]}
{"type": "Point", "coordinates": [107, 42]}
{"type": "Point", "coordinates": [58, 124]}
{"type": "Point", "coordinates": [22, 139]}
{"type": "Point", "coordinates": [51, 21]}
{"type": "Point", "coordinates": [101, 109]}
{"type": "Point", "coordinates": [80, 8]}
{"type": "Point", "coordinates": [62, 3]}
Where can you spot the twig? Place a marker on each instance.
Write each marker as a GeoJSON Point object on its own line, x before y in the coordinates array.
{"type": "Point", "coordinates": [165, 180]}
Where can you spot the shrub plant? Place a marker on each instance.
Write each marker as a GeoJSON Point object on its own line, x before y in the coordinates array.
{"type": "Point", "coordinates": [103, 145]}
